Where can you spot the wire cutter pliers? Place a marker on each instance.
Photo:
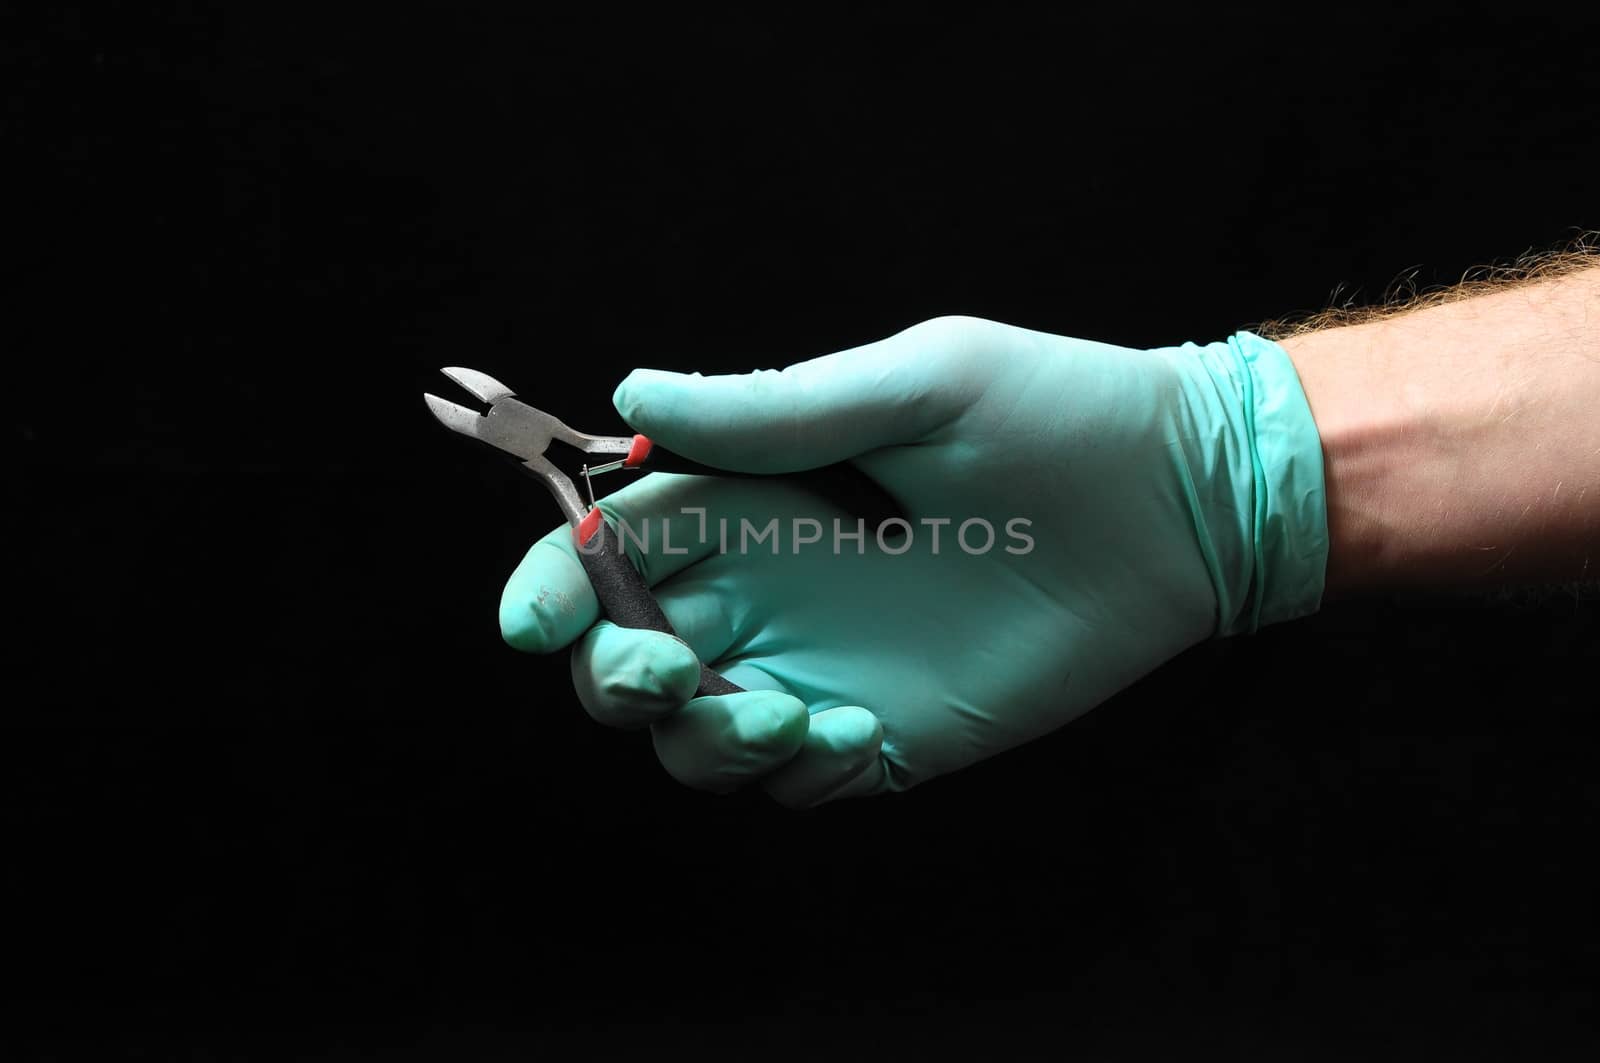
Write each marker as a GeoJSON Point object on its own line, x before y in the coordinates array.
{"type": "Point", "coordinates": [526, 433]}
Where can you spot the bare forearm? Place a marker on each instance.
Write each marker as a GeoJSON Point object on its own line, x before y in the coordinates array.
{"type": "Point", "coordinates": [1461, 442]}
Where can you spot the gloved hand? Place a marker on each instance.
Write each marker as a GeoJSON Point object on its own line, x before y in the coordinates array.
{"type": "Point", "coordinates": [1137, 501]}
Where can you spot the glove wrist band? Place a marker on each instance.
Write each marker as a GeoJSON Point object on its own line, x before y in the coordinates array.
{"type": "Point", "coordinates": [1289, 518]}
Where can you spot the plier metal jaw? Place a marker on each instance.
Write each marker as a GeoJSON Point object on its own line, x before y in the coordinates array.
{"type": "Point", "coordinates": [525, 433]}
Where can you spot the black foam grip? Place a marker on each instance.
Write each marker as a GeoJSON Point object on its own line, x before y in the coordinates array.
{"type": "Point", "coordinates": [626, 599]}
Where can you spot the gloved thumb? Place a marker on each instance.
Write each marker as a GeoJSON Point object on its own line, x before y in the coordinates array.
{"type": "Point", "coordinates": [898, 390]}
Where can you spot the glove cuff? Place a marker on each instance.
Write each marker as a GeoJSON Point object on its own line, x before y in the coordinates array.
{"type": "Point", "coordinates": [1290, 514]}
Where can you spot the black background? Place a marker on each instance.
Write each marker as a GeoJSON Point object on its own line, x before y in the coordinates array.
{"type": "Point", "coordinates": [275, 786]}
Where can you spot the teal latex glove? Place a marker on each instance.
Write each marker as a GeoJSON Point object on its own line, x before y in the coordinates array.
{"type": "Point", "coordinates": [1140, 501]}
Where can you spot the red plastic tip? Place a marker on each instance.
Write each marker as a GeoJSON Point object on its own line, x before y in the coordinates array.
{"type": "Point", "coordinates": [587, 527]}
{"type": "Point", "coordinates": [638, 452]}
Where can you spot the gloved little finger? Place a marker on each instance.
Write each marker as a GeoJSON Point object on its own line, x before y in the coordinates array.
{"type": "Point", "coordinates": [838, 758]}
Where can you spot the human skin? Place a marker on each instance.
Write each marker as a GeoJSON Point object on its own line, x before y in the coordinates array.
{"type": "Point", "coordinates": [1461, 442]}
